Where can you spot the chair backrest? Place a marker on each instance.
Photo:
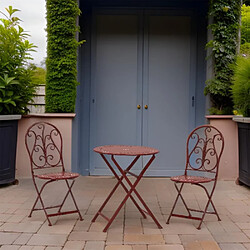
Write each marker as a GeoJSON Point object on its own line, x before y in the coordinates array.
{"type": "Point", "coordinates": [44, 145]}
{"type": "Point", "coordinates": [205, 145]}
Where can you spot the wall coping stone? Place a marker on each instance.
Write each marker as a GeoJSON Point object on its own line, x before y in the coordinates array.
{"type": "Point", "coordinates": [51, 115]}
{"type": "Point", "coordinates": [10, 117]}
{"type": "Point", "coordinates": [242, 119]}
{"type": "Point", "coordinates": [220, 116]}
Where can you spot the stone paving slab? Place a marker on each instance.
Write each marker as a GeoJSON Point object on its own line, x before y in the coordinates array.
{"type": "Point", "coordinates": [8, 238]}
{"type": "Point", "coordinates": [232, 246]}
{"type": "Point", "coordinates": [204, 245]}
{"type": "Point", "coordinates": [143, 239]}
{"type": "Point", "coordinates": [129, 231]}
{"type": "Point", "coordinates": [47, 240]}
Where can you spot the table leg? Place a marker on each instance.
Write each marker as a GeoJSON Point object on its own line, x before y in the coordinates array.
{"type": "Point", "coordinates": [117, 211]}
{"type": "Point", "coordinates": [133, 186]}
{"type": "Point", "coordinates": [106, 201]}
{"type": "Point", "coordinates": [116, 186]}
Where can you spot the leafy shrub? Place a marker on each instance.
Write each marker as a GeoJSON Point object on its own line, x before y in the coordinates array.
{"type": "Point", "coordinates": [241, 85]}
{"type": "Point", "coordinates": [17, 87]}
{"type": "Point", "coordinates": [61, 79]}
{"type": "Point", "coordinates": [245, 24]}
{"type": "Point", "coordinates": [245, 30]}
{"type": "Point", "coordinates": [245, 49]}
{"type": "Point", "coordinates": [225, 26]}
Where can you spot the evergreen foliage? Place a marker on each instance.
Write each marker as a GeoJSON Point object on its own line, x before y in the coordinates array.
{"type": "Point", "coordinates": [241, 85]}
{"type": "Point", "coordinates": [225, 27]}
{"type": "Point", "coordinates": [241, 79]}
{"type": "Point", "coordinates": [61, 78]}
{"type": "Point", "coordinates": [245, 30]}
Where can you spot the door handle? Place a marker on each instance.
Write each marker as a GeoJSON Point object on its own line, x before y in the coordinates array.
{"type": "Point", "coordinates": [138, 106]}
{"type": "Point", "coordinates": [146, 106]}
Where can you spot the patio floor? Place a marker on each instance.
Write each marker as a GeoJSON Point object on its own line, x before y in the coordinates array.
{"type": "Point", "coordinates": [129, 231]}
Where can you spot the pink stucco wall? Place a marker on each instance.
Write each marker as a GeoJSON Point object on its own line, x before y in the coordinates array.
{"type": "Point", "coordinates": [229, 166]}
{"type": "Point", "coordinates": [62, 121]}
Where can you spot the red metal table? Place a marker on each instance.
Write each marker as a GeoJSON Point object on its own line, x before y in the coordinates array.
{"type": "Point", "coordinates": [137, 152]}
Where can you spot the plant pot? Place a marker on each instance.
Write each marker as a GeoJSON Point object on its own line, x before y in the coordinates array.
{"type": "Point", "coordinates": [244, 149]}
{"type": "Point", "coordinates": [8, 141]}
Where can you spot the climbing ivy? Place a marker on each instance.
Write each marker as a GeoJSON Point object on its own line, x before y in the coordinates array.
{"type": "Point", "coordinates": [61, 78]}
{"type": "Point", "coordinates": [225, 15]}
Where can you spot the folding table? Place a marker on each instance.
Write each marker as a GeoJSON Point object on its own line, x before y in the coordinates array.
{"type": "Point", "coordinates": [137, 152]}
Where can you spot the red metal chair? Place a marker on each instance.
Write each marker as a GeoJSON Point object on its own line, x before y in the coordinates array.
{"type": "Point", "coordinates": [205, 145]}
{"type": "Point", "coordinates": [44, 145]}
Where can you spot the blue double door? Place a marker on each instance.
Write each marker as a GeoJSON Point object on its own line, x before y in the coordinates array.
{"type": "Point", "coordinates": [143, 86]}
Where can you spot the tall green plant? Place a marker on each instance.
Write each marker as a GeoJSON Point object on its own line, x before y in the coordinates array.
{"type": "Point", "coordinates": [241, 85]}
{"type": "Point", "coordinates": [61, 79]}
{"type": "Point", "coordinates": [14, 65]}
{"type": "Point", "coordinates": [245, 30]}
{"type": "Point", "coordinates": [225, 27]}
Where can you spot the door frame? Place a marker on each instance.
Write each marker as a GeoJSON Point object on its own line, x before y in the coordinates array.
{"type": "Point", "coordinates": [143, 15]}
{"type": "Point", "coordinates": [81, 123]}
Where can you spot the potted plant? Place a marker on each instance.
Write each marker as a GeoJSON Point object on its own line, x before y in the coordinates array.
{"type": "Point", "coordinates": [241, 98]}
{"type": "Point", "coordinates": [17, 87]}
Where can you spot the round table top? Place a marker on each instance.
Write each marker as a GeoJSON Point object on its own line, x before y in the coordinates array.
{"type": "Point", "coordinates": [125, 150]}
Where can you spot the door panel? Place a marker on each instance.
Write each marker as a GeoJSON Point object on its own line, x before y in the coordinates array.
{"type": "Point", "coordinates": [142, 59]}
{"type": "Point", "coordinates": [114, 116]}
{"type": "Point", "coordinates": [166, 92]}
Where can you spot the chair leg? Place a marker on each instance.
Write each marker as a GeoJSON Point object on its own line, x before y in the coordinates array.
{"type": "Point", "coordinates": [216, 213]}
{"type": "Point", "coordinates": [179, 195]}
{"type": "Point", "coordinates": [73, 198]}
{"type": "Point", "coordinates": [189, 216]}
{"type": "Point", "coordinates": [33, 207]}
{"type": "Point", "coordinates": [65, 197]}
{"type": "Point", "coordinates": [208, 202]}
{"type": "Point", "coordinates": [39, 197]}
{"type": "Point", "coordinates": [39, 192]}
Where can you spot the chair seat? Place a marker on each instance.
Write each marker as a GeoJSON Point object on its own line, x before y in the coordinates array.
{"type": "Point", "coordinates": [190, 179]}
{"type": "Point", "coordinates": [58, 176]}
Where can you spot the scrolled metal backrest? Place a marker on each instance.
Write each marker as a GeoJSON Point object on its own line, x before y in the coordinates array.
{"type": "Point", "coordinates": [205, 145]}
{"type": "Point", "coordinates": [44, 145]}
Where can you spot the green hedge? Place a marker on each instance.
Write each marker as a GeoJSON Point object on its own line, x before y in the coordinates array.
{"type": "Point", "coordinates": [225, 27]}
{"type": "Point", "coordinates": [61, 78]}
